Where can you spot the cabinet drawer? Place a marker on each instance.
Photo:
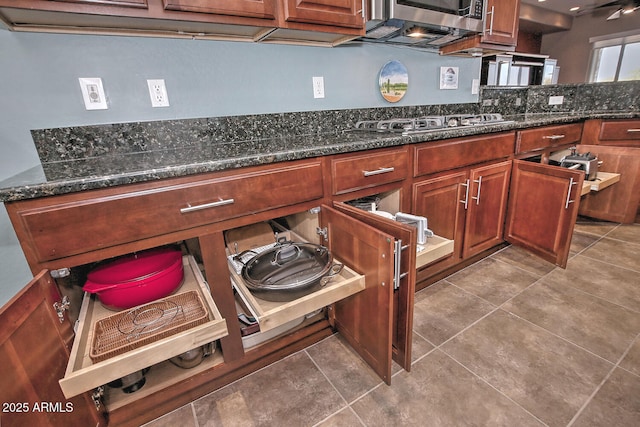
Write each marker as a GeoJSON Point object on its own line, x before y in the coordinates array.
{"type": "Point", "coordinates": [442, 156]}
{"type": "Point", "coordinates": [272, 314]}
{"type": "Point", "coordinates": [83, 374]}
{"type": "Point", "coordinates": [116, 216]}
{"type": "Point", "coordinates": [367, 170]}
{"type": "Point", "coordinates": [548, 136]}
{"type": "Point", "coordinates": [620, 130]}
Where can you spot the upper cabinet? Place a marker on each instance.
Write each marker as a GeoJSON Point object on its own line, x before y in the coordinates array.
{"type": "Point", "coordinates": [325, 23]}
{"type": "Point", "coordinates": [248, 8]}
{"type": "Point", "coordinates": [500, 32]}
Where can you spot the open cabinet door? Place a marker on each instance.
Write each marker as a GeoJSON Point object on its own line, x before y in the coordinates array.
{"type": "Point", "coordinates": [618, 203]}
{"type": "Point", "coordinates": [543, 207]}
{"type": "Point", "coordinates": [404, 292]}
{"type": "Point", "coordinates": [34, 357]}
{"type": "Point", "coordinates": [365, 319]}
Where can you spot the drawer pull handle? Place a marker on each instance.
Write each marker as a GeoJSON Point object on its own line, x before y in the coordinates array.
{"type": "Point", "coordinates": [553, 136]}
{"type": "Point", "coordinates": [633, 130]}
{"type": "Point", "coordinates": [378, 171]}
{"type": "Point", "coordinates": [571, 184]}
{"type": "Point", "coordinates": [220, 202]}
{"type": "Point", "coordinates": [477, 198]}
{"type": "Point", "coordinates": [466, 196]}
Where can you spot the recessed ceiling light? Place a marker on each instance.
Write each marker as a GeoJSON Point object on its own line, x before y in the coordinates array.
{"type": "Point", "coordinates": [573, 9]}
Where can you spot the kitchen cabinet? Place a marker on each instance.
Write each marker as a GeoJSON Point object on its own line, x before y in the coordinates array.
{"type": "Point", "coordinates": [268, 21]}
{"type": "Point", "coordinates": [34, 348]}
{"type": "Point", "coordinates": [249, 8]}
{"type": "Point", "coordinates": [381, 173]}
{"type": "Point", "coordinates": [548, 137]}
{"type": "Point", "coordinates": [621, 133]}
{"type": "Point", "coordinates": [461, 186]}
{"type": "Point", "coordinates": [466, 206]}
{"type": "Point", "coordinates": [619, 202]}
{"type": "Point", "coordinates": [361, 302]}
{"type": "Point", "coordinates": [542, 209]}
{"type": "Point", "coordinates": [500, 31]}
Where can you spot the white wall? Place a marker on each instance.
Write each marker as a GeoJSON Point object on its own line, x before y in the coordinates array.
{"type": "Point", "coordinates": [572, 48]}
{"type": "Point", "coordinates": [39, 89]}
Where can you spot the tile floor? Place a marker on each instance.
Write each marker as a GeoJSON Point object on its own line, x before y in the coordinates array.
{"type": "Point", "coordinates": [508, 341]}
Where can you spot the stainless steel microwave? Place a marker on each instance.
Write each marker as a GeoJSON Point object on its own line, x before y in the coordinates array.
{"type": "Point", "coordinates": [458, 14]}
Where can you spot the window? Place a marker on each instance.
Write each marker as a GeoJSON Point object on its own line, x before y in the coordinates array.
{"type": "Point", "coordinates": [615, 58]}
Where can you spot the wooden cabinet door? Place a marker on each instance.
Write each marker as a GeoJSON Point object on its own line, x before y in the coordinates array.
{"type": "Point", "coordinates": [501, 22]}
{"type": "Point", "coordinates": [34, 351]}
{"type": "Point", "coordinates": [403, 294]}
{"type": "Point", "coordinates": [246, 8]}
{"type": "Point", "coordinates": [340, 13]}
{"type": "Point", "coordinates": [543, 207]}
{"type": "Point", "coordinates": [365, 319]}
{"type": "Point", "coordinates": [442, 201]}
{"type": "Point", "coordinates": [619, 202]}
{"type": "Point", "coordinates": [487, 207]}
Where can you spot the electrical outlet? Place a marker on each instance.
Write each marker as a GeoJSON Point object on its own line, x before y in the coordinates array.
{"type": "Point", "coordinates": [158, 93]}
{"type": "Point", "coordinates": [556, 100]}
{"type": "Point", "coordinates": [93, 93]}
{"type": "Point", "coordinates": [318, 87]}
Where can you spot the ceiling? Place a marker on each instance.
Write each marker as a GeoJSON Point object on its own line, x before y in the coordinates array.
{"type": "Point", "coordinates": [563, 6]}
{"type": "Point", "coordinates": [551, 16]}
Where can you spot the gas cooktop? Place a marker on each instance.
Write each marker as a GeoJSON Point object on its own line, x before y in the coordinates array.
{"type": "Point", "coordinates": [409, 126]}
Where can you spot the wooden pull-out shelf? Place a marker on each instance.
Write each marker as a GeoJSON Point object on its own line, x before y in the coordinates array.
{"type": "Point", "coordinates": [604, 180]}
{"type": "Point", "coordinates": [436, 248]}
{"type": "Point", "coordinates": [83, 375]}
{"type": "Point", "coordinates": [273, 314]}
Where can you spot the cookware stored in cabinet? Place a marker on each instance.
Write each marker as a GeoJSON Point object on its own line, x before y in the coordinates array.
{"type": "Point", "coordinates": [137, 278]}
{"type": "Point", "coordinates": [289, 270]}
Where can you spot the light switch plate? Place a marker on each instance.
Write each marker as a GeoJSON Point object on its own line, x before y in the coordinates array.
{"type": "Point", "coordinates": [93, 93]}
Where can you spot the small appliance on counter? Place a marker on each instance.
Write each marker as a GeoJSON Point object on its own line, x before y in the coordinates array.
{"type": "Point", "coordinates": [586, 162]}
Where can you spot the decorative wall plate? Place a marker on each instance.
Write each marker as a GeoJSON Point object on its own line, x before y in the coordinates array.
{"type": "Point", "coordinates": [393, 81]}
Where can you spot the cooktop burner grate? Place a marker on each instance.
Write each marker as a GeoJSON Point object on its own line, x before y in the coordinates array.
{"type": "Point", "coordinates": [408, 126]}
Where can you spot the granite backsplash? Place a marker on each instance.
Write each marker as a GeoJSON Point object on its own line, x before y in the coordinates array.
{"type": "Point", "coordinates": [86, 142]}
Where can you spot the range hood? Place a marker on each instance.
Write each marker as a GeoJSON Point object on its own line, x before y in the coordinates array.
{"type": "Point", "coordinates": [390, 22]}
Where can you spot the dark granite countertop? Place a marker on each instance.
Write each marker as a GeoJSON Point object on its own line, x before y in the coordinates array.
{"type": "Point", "coordinates": [196, 154]}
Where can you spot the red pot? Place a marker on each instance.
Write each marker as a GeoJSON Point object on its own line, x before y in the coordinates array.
{"type": "Point", "coordinates": [137, 278]}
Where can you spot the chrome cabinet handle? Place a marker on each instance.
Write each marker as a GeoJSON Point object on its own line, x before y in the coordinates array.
{"type": "Point", "coordinates": [466, 195]}
{"type": "Point", "coordinates": [491, 21]}
{"type": "Point", "coordinates": [571, 184]}
{"type": "Point", "coordinates": [477, 198]}
{"type": "Point", "coordinates": [378, 171]}
{"type": "Point", "coordinates": [220, 202]}
{"type": "Point", "coordinates": [553, 136]}
{"type": "Point", "coordinates": [633, 130]}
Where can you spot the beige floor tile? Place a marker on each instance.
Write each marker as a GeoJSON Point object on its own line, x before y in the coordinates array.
{"type": "Point", "coordinates": [439, 392]}
{"type": "Point", "coordinates": [180, 417]}
{"type": "Point", "coordinates": [525, 260]}
{"type": "Point", "coordinates": [442, 310]}
{"type": "Point", "coordinates": [546, 375]}
{"type": "Point", "coordinates": [616, 252]}
{"type": "Point", "coordinates": [617, 403]}
{"type": "Point", "coordinates": [627, 232]}
{"type": "Point", "coordinates": [631, 361]}
{"type": "Point", "coordinates": [344, 418]}
{"type": "Point", "coordinates": [581, 241]}
{"type": "Point", "coordinates": [493, 280]}
{"type": "Point", "coordinates": [599, 326]}
{"type": "Point", "coordinates": [291, 392]}
{"type": "Point", "coordinates": [617, 285]}
{"type": "Point", "coordinates": [348, 373]}
{"type": "Point", "coordinates": [597, 228]}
